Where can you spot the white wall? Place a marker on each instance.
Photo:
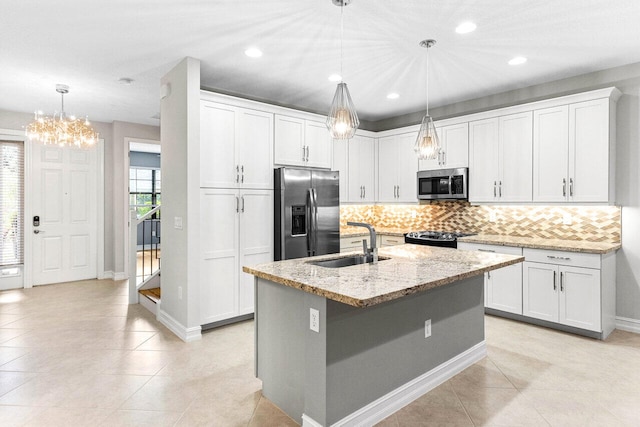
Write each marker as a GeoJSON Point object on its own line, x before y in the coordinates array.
{"type": "Point", "coordinates": [180, 139]}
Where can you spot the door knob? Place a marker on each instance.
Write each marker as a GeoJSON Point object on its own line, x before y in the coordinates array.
{"type": "Point", "coordinates": [37, 231]}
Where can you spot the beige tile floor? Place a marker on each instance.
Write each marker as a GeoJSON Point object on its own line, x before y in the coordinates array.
{"type": "Point", "coordinates": [76, 354]}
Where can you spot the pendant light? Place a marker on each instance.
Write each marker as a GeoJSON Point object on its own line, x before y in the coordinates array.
{"type": "Point", "coordinates": [60, 129]}
{"type": "Point", "coordinates": [342, 120]}
{"type": "Point", "coordinates": [427, 146]}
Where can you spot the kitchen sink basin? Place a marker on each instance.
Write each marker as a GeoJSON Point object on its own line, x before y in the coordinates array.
{"type": "Point", "coordinates": [346, 261]}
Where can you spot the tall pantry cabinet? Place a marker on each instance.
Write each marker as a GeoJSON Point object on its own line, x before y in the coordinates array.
{"type": "Point", "coordinates": [236, 205]}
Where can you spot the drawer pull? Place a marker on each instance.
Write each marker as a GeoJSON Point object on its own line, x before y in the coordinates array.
{"type": "Point", "coordinates": [564, 258]}
{"type": "Point", "coordinates": [554, 281]}
{"type": "Point", "coordinates": [487, 250]}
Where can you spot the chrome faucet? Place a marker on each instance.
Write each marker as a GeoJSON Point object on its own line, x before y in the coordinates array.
{"type": "Point", "coordinates": [373, 250]}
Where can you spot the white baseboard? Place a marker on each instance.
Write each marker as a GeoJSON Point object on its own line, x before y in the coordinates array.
{"type": "Point", "coordinates": [106, 275]}
{"type": "Point", "coordinates": [185, 334]}
{"type": "Point", "coordinates": [627, 324]}
{"type": "Point", "coordinates": [120, 276]}
{"type": "Point", "coordinates": [395, 400]}
{"type": "Point", "coordinates": [309, 422]}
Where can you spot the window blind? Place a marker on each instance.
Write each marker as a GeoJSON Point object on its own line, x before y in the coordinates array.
{"type": "Point", "coordinates": [11, 203]}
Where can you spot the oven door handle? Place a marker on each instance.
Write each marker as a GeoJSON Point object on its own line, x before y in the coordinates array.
{"type": "Point", "coordinates": [450, 184]}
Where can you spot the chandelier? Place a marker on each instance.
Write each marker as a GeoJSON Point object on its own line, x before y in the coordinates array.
{"type": "Point", "coordinates": [61, 129]}
{"type": "Point", "coordinates": [342, 120]}
{"type": "Point", "coordinates": [427, 146]}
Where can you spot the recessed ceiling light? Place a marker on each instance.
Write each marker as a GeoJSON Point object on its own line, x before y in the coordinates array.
{"type": "Point", "coordinates": [335, 78]}
{"type": "Point", "coordinates": [127, 81]}
{"type": "Point", "coordinates": [393, 95]}
{"type": "Point", "coordinates": [253, 52]}
{"type": "Point", "coordinates": [465, 27]}
{"type": "Point", "coordinates": [518, 60]}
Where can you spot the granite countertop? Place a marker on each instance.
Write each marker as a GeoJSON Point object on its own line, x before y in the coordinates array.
{"type": "Point", "coordinates": [350, 231]}
{"type": "Point", "coordinates": [410, 269]}
{"type": "Point", "coordinates": [541, 243]}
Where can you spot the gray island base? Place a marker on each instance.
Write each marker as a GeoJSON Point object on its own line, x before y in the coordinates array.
{"type": "Point", "coordinates": [370, 355]}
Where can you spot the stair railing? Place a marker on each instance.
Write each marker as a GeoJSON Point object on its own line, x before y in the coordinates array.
{"type": "Point", "coordinates": [144, 252]}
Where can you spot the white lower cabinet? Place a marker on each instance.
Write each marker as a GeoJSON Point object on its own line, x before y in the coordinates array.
{"type": "Point", "coordinates": [237, 230]}
{"type": "Point", "coordinates": [350, 244]}
{"type": "Point", "coordinates": [502, 287]}
{"type": "Point", "coordinates": [385, 240]}
{"type": "Point", "coordinates": [564, 288]}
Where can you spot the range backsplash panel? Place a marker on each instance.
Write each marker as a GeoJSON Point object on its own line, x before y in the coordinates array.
{"type": "Point", "coordinates": [590, 223]}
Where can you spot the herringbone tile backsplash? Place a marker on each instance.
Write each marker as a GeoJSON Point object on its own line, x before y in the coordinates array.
{"type": "Point", "coordinates": [591, 223]}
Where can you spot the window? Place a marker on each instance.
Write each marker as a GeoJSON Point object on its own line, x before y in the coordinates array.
{"type": "Point", "coordinates": [11, 203]}
{"type": "Point", "coordinates": [144, 189]}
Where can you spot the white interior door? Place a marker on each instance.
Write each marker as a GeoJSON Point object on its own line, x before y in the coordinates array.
{"type": "Point", "coordinates": [64, 198]}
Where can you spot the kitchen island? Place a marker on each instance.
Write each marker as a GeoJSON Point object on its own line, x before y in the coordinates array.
{"type": "Point", "coordinates": [368, 354]}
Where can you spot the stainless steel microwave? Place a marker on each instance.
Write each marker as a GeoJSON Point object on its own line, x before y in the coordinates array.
{"type": "Point", "coordinates": [443, 184]}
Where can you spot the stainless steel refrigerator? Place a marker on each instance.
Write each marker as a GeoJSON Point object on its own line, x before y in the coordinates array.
{"type": "Point", "coordinates": [307, 213]}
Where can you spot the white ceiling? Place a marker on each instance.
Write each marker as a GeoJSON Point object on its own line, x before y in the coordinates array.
{"type": "Point", "coordinates": [89, 45]}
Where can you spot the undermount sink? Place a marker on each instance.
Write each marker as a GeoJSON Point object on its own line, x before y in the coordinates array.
{"type": "Point", "coordinates": [347, 261]}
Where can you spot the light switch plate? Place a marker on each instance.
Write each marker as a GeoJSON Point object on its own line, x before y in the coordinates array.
{"type": "Point", "coordinates": [177, 223]}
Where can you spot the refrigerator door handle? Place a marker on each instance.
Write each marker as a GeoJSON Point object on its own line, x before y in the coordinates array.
{"type": "Point", "coordinates": [310, 243]}
{"type": "Point", "coordinates": [315, 221]}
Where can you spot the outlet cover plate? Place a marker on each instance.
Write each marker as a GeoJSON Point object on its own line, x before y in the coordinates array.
{"type": "Point", "coordinates": [314, 320]}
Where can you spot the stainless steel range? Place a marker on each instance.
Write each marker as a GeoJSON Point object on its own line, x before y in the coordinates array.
{"type": "Point", "coordinates": [445, 239]}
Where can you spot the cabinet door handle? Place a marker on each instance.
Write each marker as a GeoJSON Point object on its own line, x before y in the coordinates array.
{"type": "Point", "coordinates": [303, 153]}
{"type": "Point", "coordinates": [494, 188]}
{"type": "Point", "coordinates": [554, 281]}
{"type": "Point", "coordinates": [361, 191]}
{"type": "Point", "coordinates": [237, 204]}
{"type": "Point", "coordinates": [564, 187]}
{"type": "Point", "coordinates": [398, 191]}
{"type": "Point", "coordinates": [564, 258]}
{"type": "Point", "coordinates": [242, 171]}
{"type": "Point", "coordinates": [500, 189]}
{"type": "Point", "coordinates": [237, 173]}
{"type": "Point", "coordinates": [489, 275]}
{"type": "Point", "coordinates": [394, 191]}
{"type": "Point", "coordinates": [307, 153]}
{"type": "Point", "coordinates": [571, 187]}
{"type": "Point", "coordinates": [364, 191]}
{"type": "Point", "coordinates": [486, 250]}
{"type": "Point", "coordinates": [444, 158]}
{"type": "Point", "coordinates": [561, 282]}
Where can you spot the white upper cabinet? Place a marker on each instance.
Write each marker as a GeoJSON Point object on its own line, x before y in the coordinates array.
{"type": "Point", "coordinates": [340, 164]}
{"type": "Point", "coordinates": [573, 153]}
{"type": "Point", "coordinates": [589, 152]}
{"type": "Point", "coordinates": [516, 157]}
{"type": "Point", "coordinates": [397, 168]}
{"type": "Point", "coordinates": [236, 147]}
{"type": "Point", "coordinates": [454, 148]}
{"type": "Point", "coordinates": [551, 154]}
{"type": "Point", "coordinates": [361, 169]}
{"type": "Point", "coordinates": [483, 160]}
{"type": "Point", "coordinates": [300, 142]}
{"type": "Point", "coordinates": [318, 141]}
{"type": "Point", "coordinates": [290, 147]}
{"type": "Point", "coordinates": [500, 159]}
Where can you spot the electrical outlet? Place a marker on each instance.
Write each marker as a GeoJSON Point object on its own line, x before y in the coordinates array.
{"type": "Point", "coordinates": [179, 292]}
{"type": "Point", "coordinates": [314, 320]}
{"type": "Point", "coordinates": [492, 216]}
{"type": "Point", "coordinates": [427, 328]}
{"type": "Point", "coordinates": [567, 219]}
